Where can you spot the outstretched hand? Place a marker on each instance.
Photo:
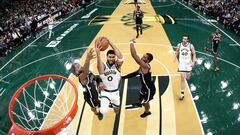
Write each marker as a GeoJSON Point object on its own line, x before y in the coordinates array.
{"type": "Point", "coordinates": [132, 41]}
{"type": "Point", "coordinates": [90, 54]}
{"type": "Point", "coordinates": [98, 47]}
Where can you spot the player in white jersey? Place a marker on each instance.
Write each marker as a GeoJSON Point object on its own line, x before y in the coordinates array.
{"type": "Point", "coordinates": [186, 54]}
{"type": "Point", "coordinates": [51, 22]}
{"type": "Point", "coordinates": [110, 75]}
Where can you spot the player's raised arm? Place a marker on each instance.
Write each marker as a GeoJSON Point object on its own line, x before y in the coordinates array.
{"type": "Point", "coordinates": [135, 56]}
{"type": "Point", "coordinates": [100, 65]}
{"type": "Point", "coordinates": [117, 52]}
{"type": "Point", "coordinates": [86, 65]}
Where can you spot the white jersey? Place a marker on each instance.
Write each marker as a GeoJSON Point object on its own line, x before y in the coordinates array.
{"type": "Point", "coordinates": [111, 77]}
{"type": "Point", "coordinates": [50, 23]}
{"type": "Point", "coordinates": [185, 53]}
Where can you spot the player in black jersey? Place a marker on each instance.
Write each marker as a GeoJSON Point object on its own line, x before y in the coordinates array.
{"type": "Point", "coordinates": [89, 81]}
{"type": "Point", "coordinates": [138, 16]}
{"type": "Point", "coordinates": [148, 88]}
{"type": "Point", "coordinates": [216, 39]}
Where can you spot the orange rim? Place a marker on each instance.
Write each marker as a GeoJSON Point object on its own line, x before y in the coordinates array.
{"type": "Point", "coordinates": [59, 125]}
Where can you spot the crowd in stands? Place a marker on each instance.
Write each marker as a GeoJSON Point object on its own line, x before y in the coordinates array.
{"type": "Point", "coordinates": [17, 16]}
{"type": "Point", "coordinates": [226, 12]}
{"type": "Point", "coordinates": [16, 19]}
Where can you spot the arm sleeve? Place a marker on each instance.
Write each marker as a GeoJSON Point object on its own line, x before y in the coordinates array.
{"type": "Point", "coordinates": [130, 75]}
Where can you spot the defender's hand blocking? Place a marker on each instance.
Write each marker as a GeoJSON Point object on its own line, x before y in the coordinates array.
{"type": "Point", "coordinates": [90, 54]}
{"type": "Point", "coordinates": [97, 46]}
{"type": "Point", "coordinates": [132, 41]}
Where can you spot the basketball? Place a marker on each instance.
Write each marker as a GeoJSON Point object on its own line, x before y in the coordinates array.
{"type": "Point", "coordinates": [104, 43]}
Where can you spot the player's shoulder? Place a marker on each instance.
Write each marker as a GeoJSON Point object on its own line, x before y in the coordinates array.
{"type": "Point", "coordinates": [179, 44]}
{"type": "Point", "coordinates": [191, 46]}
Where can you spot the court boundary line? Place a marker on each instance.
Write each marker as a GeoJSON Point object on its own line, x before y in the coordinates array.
{"type": "Point", "coordinates": [195, 107]}
{"type": "Point", "coordinates": [40, 37]}
{"type": "Point", "coordinates": [208, 22]}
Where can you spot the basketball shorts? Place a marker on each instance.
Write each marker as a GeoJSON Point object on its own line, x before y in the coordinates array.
{"type": "Point", "coordinates": [184, 67]}
{"type": "Point", "coordinates": [214, 48]}
{"type": "Point", "coordinates": [50, 26]}
{"type": "Point", "coordinates": [146, 95]}
{"type": "Point", "coordinates": [112, 97]}
{"type": "Point", "coordinates": [92, 101]}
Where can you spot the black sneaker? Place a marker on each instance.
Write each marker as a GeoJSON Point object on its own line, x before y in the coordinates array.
{"type": "Point", "coordinates": [145, 114]}
{"type": "Point", "coordinates": [137, 35]}
{"type": "Point", "coordinates": [100, 116]}
{"type": "Point", "coordinates": [206, 49]}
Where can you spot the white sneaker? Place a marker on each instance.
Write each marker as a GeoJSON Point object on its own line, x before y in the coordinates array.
{"type": "Point", "coordinates": [181, 97]}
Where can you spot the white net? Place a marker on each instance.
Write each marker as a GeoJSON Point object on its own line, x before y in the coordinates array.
{"type": "Point", "coordinates": [43, 104]}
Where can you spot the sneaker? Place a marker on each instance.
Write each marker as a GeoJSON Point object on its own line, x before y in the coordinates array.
{"type": "Point", "coordinates": [100, 116]}
{"type": "Point", "coordinates": [137, 35]}
{"type": "Point", "coordinates": [216, 69]}
{"type": "Point", "coordinates": [181, 97]}
{"type": "Point", "coordinates": [206, 49]}
{"type": "Point", "coordinates": [145, 114]}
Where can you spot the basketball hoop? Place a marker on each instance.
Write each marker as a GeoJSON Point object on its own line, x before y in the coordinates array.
{"type": "Point", "coordinates": [44, 105]}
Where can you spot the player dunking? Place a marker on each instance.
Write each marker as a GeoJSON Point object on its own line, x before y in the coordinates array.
{"type": "Point", "coordinates": [51, 21]}
{"type": "Point", "coordinates": [148, 88]}
{"type": "Point", "coordinates": [187, 56]}
{"type": "Point", "coordinates": [111, 76]}
{"type": "Point", "coordinates": [216, 39]}
{"type": "Point", "coordinates": [138, 16]}
{"type": "Point", "coordinates": [89, 82]}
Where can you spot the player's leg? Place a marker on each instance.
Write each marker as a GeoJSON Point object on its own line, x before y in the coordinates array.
{"type": "Point", "coordinates": [208, 49]}
{"type": "Point", "coordinates": [183, 76]}
{"type": "Point", "coordinates": [147, 110]}
{"type": "Point", "coordinates": [94, 110]}
{"type": "Point", "coordinates": [149, 93]}
{"type": "Point", "coordinates": [137, 29]}
{"type": "Point", "coordinates": [146, 106]}
{"type": "Point", "coordinates": [91, 102]}
{"type": "Point", "coordinates": [215, 47]}
{"type": "Point", "coordinates": [115, 101]}
{"type": "Point", "coordinates": [50, 27]}
{"type": "Point", "coordinates": [104, 105]}
{"type": "Point", "coordinates": [141, 29]}
{"type": "Point", "coordinates": [116, 110]}
{"type": "Point", "coordinates": [50, 33]}
{"type": "Point", "coordinates": [188, 75]}
{"type": "Point", "coordinates": [105, 101]}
